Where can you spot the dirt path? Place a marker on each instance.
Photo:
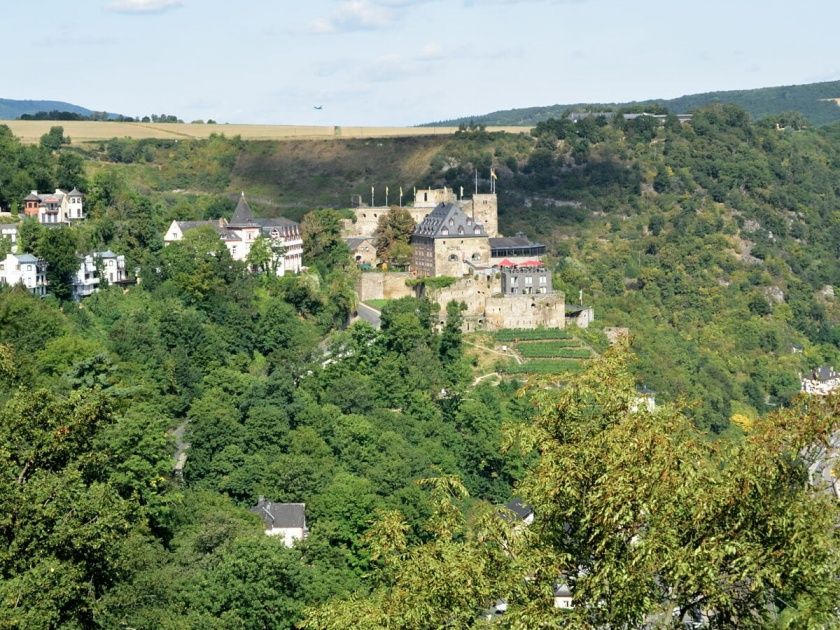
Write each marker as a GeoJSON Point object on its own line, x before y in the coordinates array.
{"type": "Point", "coordinates": [509, 355]}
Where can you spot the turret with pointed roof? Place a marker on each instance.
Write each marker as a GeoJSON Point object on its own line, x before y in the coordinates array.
{"type": "Point", "coordinates": [243, 216]}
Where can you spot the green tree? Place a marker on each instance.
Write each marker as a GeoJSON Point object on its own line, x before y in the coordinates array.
{"type": "Point", "coordinates": [71, 171]}
{"type": "Point", "coordinates": [54, 139]}
{"type": "Point", "coordinates": [392, 234]}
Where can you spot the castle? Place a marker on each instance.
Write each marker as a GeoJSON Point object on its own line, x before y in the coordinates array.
{"type": "Point", "coordinates": [501, 280]}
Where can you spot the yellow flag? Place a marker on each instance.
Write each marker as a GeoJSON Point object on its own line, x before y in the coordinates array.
{"type": "Point", "coordinates": [493, 174]}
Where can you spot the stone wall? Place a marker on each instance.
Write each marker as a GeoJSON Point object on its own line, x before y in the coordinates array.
{"type": "Point", "coordinates": [488, 310]}
{"type": "Point", "coordinates": [485, 210]}
{"type": "Point", "coordinates": [452, 255]}
{"type": "Point", "coordinates": [367, 219]}
{"type": "Point", "coordinates": [374, 285]}
{"type": "Point", "coordinates": [525, 311]}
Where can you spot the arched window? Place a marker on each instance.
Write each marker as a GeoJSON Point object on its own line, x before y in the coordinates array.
{"type": "Point", "coordinates": [476, 256]}
{"type": "Point", "coordinates": [453, 257]}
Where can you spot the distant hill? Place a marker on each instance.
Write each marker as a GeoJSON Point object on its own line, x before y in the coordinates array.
{"type": "Point", "coordinates": [12, 109]}
{"type": "Point", "coordinates": [815, 101]}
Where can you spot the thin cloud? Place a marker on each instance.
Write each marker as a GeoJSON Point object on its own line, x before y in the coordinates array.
{"type": "Point", "coordinates": [144, 6]}
{"type": "Point", "coordinates": [355, 15]}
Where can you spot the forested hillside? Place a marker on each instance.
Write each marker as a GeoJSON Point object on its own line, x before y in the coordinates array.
{"type": "Point", "coordinates": [816, 102]}
{"type": "Point", "coordinates": [714, 242]}
{"type": "Point", "coordinates": [686, 234]}
{"type": "Point", "coordinates": [12, 109]}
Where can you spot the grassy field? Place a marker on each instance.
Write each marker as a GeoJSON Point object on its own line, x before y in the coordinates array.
{"type": "Point", "coordinates": [30, 131]}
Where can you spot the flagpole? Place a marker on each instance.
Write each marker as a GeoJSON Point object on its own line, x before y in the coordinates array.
{"type": "Point", "coordinates": [476, 181]}
{"type": "Point", "coordinates": [386, 196]}
{"type": "Point", "coordinates": [372, 203]}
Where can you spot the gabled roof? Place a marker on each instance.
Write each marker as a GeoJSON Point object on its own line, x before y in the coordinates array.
{"type": "Point", "coordinates": [75, 193]}
{"type": "Point", "coordinates": [562, 590]}
{"type": "Point", "coordinates": [192, 225]}
{"type": "Point", "coordinates": [33, 196]}
{"type": "Point", "coordinates": [354, 241]}
{"type": "Point", "coordinates": [521, 510]}
{"type": "Point", "coordinates": [448, 220]}
{"type": "Point", "coordinates": [283, 515]}
{"type": "Point", "coordinates": [824, 373]}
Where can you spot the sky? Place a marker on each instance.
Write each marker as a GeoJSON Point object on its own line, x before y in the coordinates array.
{"type": "Point", "coordinates": [402, 62]}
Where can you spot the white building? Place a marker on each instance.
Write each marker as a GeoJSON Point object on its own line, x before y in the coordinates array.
{"type": "Point", "coordinates": [283, 519]}
{"type": "Point", "coordinates": [55, 208]}
{"type": "Point", "coordinates": [563, 596]}
{"type": "Point", "coordinates": [95, 268]}
{"type": "Point", "coordinates": [10, 231]}
{"type": "Point", "coordinates": [25, 269]}
{"type": "Point", "coordinates": [821, 381]}
{"type": "Point", "coordinates": [243, 229]}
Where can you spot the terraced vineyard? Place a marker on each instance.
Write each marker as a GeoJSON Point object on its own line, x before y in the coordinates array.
{"type": "Point", "coordinates": [548, 351]}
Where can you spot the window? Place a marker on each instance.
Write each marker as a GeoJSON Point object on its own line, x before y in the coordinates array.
{"type": "Point", "coordinates": [543, 279]}
{"type": "Point", "coordinates": [529, 281]}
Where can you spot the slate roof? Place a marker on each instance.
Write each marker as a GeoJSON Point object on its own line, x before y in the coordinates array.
{"type": "Point", "coordinates": [825, 373]}
{"type": "Point", "coordinates": [191, 225]}
{"type": "Point", "coordinates": [32, 197]}
{"type": "Point", "coordinates": [448, 220]}
{"type": "Point", "coordinates": [107, 254]}
{"type": "Point", "coordinates": [512, 242]}
{"type": "Point", "coordinates": [562, 590]}
{"type": "Point", "coordinates": [521, 510]}
{"type": "Point", "coordinates": [243, 216]}
{"type": "Point", "coordinates": [282, 515]}
{"type": "Point", "coordinates": [26, 258]}
{"type": "Point", "coordinates": [75, 193]}
{"type": "Point", "coordinates": [575, 309]}
{"type": "Point", "coordinates": [354, 241]}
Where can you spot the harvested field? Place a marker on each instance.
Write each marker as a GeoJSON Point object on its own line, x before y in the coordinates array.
{"type": "Point", "coordinates": [30, 131]}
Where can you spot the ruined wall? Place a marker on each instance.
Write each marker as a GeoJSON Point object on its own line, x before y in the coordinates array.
{"type": "Point", "coordinates": [488, 310]}
{"type": "Point", "coordinates": [432, 197]}
{"type": "Point", "coordinates": [471, 291]}
{"type": "Point", "coordinates": [366, 221]}
{"type": "Point", "coordinates": [374, 285]}
{"type": "Point", "coordinates": [525, 311]}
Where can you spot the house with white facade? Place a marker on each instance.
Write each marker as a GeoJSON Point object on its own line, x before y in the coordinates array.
{"type": "Point", "coordinates": [96, 267]}
{"type": "Point", "coordinates": [9, 231]}
{"type": "Point", "coordinates": [283, 519]}
{"type": "Point", "coordinates": [55, 208]}
{"type": "Point", "coordinates": [242, 231]}
{"type": "Point", "coordinates": [26, 270]}
{"type": "Point", "coordinates": [821, 381]}
{"type": "Point", "coordinates": [563, 596]}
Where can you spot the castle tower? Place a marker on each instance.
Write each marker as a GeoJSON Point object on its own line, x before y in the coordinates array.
{"type": "Point", "coordinates": [485, 210]}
